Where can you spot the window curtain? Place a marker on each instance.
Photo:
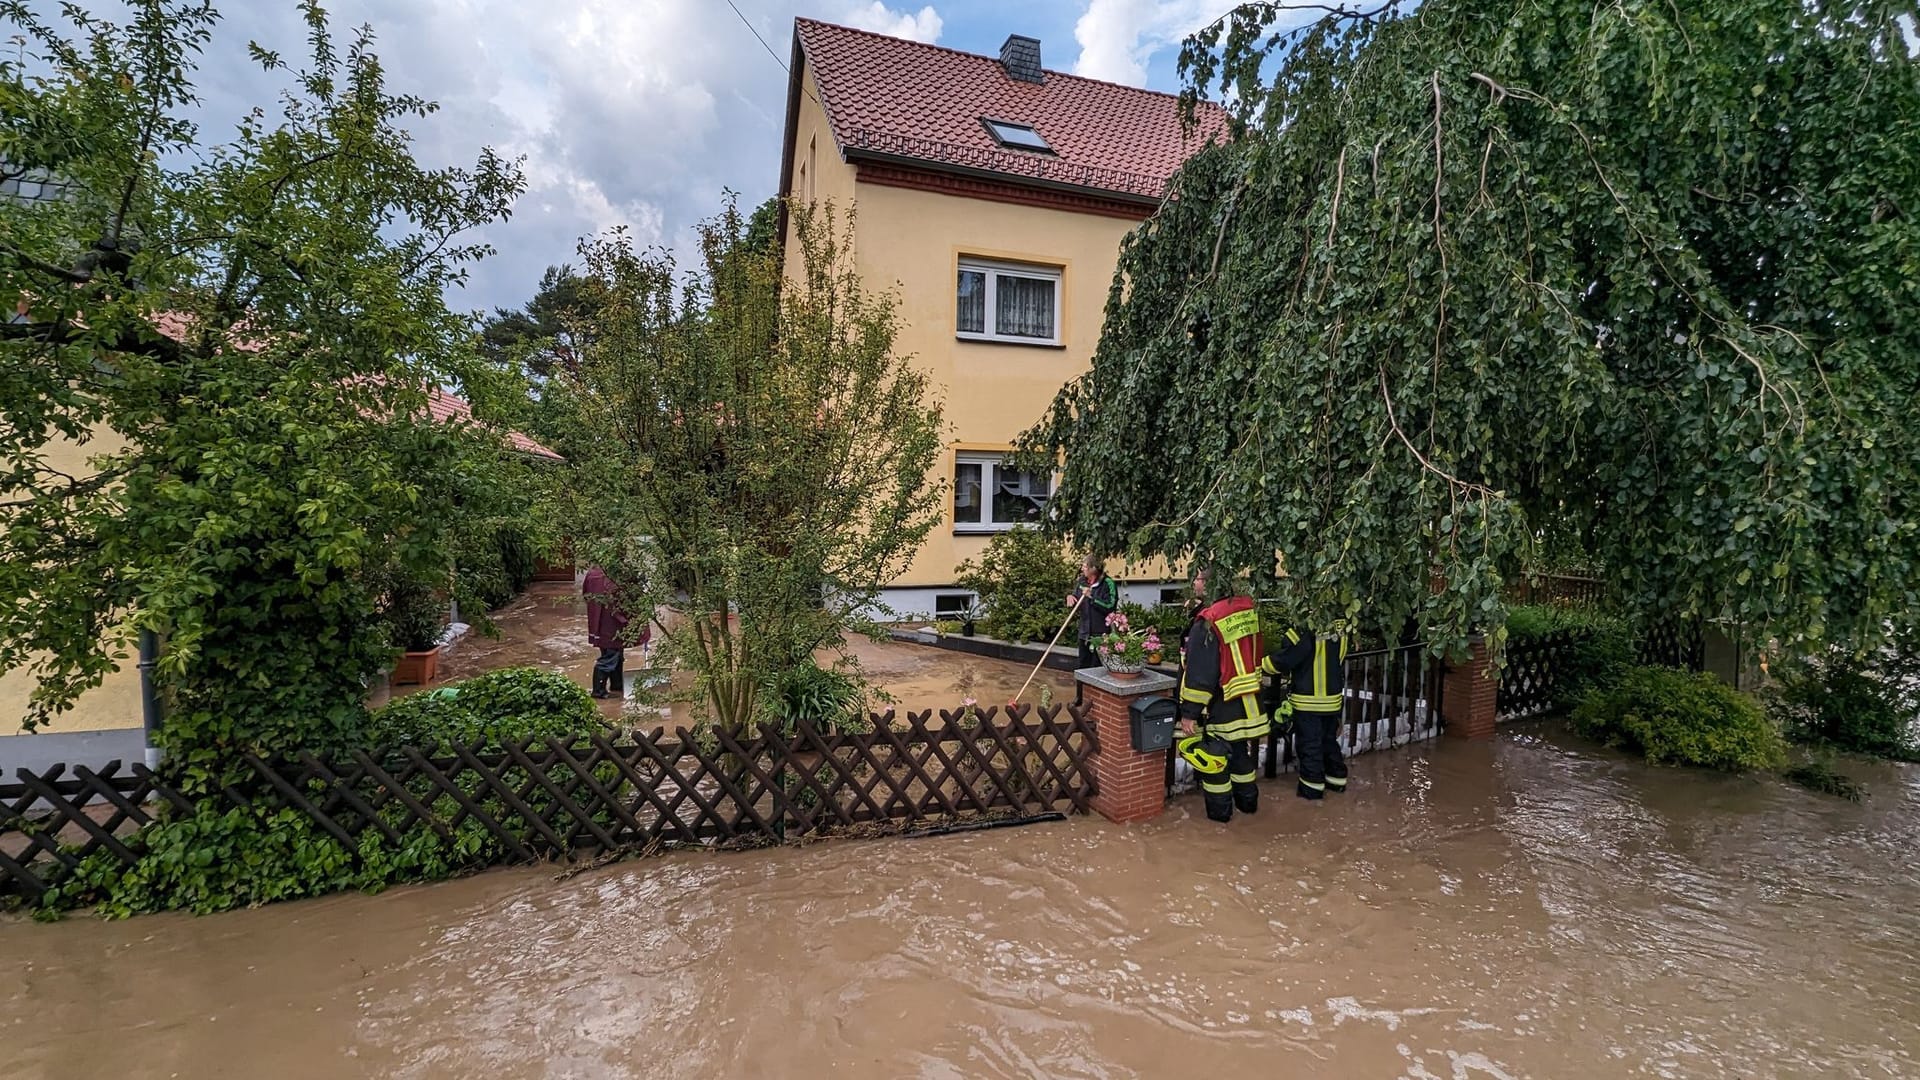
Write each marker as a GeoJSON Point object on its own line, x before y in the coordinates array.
{"type": "Point", "coordinates": [966, 493]}
{"type": "Point", "coordinates": [1025, 306]}
{"type": "Point", "coordinates": [970, 314]}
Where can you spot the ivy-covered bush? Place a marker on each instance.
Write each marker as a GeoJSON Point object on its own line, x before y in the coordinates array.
{"type": "Point", "coordinates": [1673, 717]}
{"type": "Point", "coordinates": [217, 860]}
{"type": "Point", "coordinates": [500, 706]}
{"type": "Point", "coordinates": [1023, 580]}
{"type": "Point", "coordinates": [1861, 704]}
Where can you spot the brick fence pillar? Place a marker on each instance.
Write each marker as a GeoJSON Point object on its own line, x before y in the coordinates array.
{"type": "Point", "coordinates": [1131, 786]}
{"type": "Point", "coordinates": [1470, 696]}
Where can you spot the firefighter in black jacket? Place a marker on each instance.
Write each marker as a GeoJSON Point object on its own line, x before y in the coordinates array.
{"type": "Point", "coordinates": [1220, 689]}
{"type": "Point", "coordinates": [1316, 666]}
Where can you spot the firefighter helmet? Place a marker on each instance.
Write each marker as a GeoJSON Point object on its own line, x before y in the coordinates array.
{"type": "Point", "coordinates": [1206, 753]}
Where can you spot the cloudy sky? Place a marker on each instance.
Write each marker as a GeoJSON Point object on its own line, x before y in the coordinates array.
{"type": "Point", "coordinates": [638, 112]}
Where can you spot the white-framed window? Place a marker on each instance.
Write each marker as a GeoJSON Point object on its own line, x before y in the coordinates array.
{"type": "Point", "coordinates": [990, 495]}
{"type": "Point", "coordinates": [1007, 302]}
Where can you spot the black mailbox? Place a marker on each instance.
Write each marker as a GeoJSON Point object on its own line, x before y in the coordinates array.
{"type": "Point", "coordinates": [1151, 722]}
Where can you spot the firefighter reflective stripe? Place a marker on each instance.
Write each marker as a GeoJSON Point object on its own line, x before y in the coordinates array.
{"type": "Point", "coordinates": [1323, 688]}
{"type": "Point", "coordinates": [1336, 781]}
{"type": "Point", "coordinates": [1248, 778]}
{"type": "Point", "coordinates": [1315, 785]}
{"type": "Point", "coordinates": [1198, 697]}
{"type": "Point", "coordinates": [1315, 702]}
{"type": "Point", "coordinates": [1249, 723]}
{"type": "Point", "coordinates": [1219, 787]}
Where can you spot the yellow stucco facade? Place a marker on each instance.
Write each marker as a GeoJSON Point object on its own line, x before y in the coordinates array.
{"type": "Point", "coordinates": [115, 703]}
{"type": "Point", "coordinates": [913, 241]}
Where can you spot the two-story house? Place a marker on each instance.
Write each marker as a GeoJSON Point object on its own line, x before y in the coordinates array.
{"type": "Point", "coordinates": [993, 194]}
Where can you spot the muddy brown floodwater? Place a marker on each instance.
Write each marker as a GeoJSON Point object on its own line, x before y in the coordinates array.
{"type": "Point", "coordinates": [1532, 907]}
{"type": "Point", "coordinates": [545, 627]}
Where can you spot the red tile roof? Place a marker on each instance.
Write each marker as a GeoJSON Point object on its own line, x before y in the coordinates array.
{"type": "Point", "coordinates": [448, 408]}
{"type": "Point", "coordinates": [902, 99]}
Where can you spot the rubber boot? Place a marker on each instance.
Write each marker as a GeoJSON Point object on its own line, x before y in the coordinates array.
{"type": "Point", "coordinates": [1246, 798]}
{"type": "Point", "coordinates": [1219, 807]}
{"type": "Point", "coordinates": [1313, 792]}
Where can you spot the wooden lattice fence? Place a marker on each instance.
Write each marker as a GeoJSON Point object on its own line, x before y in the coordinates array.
{"type": "Point", "coordinates": [1675, 643]}
{"type": "Point", "coordinates": [540, 799]}
{"type": "Point", "coordinates": [1533, 681]}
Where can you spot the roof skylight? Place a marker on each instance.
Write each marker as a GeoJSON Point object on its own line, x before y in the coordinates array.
{"type": "Point", "coordinates": [1017, 136]}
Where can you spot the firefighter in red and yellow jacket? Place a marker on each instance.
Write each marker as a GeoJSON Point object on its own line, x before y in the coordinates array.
{"type": "Point", "coordinates": [1220, 689]}
{"type": "Point", "coordinates": [1315, 664]}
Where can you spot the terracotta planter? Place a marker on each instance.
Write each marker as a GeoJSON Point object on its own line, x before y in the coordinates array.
{"type": "Point", "coordinates": [417, 668]}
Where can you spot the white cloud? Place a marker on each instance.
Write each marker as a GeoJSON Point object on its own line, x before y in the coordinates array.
{"type": "Point", "coordinates": [632, 113]}
{"type": "Point", "coordinates": [1911, 28]}
{"type": "Point", "coordinates": [923, 25]}
{"type": "Point", "coordinates": [1118, 36]}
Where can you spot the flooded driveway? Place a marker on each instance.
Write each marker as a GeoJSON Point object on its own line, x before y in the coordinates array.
{"type": "Point", "coordinates": [546, 627]}
{"type": "Point", "coordinates": [1528, 908]}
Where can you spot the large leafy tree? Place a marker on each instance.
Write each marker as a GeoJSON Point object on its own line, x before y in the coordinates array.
{"type": "Point", "coordinates": [240, 335]}
{"type": "Point", "coordinates": [749, 451]}
{"type": "Point", "coordinates": [1640, 277]}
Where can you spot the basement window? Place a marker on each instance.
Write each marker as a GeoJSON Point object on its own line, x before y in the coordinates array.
{"type": "Point", "coordinates": [1016, 136]}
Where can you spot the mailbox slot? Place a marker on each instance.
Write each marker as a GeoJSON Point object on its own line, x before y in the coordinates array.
{"type": "Point", "coordinates": [1150, 722]}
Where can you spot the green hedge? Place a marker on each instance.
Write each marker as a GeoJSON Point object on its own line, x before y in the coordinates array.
{"type": "Point", "coordinates": [500, 706]}
{"type": "Point", "coordinates": [493, 564]}
{"type": "Point", "coordinates": [1674, 717]}
{"type": "Point", "coordinates": [222, 857]}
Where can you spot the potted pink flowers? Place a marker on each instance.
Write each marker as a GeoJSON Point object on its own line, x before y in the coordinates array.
{"type": "Point", "coordinates": [1123, 649]}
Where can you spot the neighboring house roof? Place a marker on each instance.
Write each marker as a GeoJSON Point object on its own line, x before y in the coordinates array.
{"type": "Point", "coordinates": [904, 102]}
{"type": "Point", "coordinates": [448, 408]}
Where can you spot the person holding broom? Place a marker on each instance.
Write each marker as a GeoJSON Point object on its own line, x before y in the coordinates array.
{"type": "Point", "coordinates": [1098, 597]}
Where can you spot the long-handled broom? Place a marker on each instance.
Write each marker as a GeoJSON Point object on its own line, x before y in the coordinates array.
{"type": "Point", "coordinates": [1071, 609]}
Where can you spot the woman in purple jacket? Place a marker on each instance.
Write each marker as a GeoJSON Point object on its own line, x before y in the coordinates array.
{"type": "Point", "coordinates": [606, 631]}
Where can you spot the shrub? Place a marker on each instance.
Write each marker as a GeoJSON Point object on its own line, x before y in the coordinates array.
{"type": "Point", "coordinates": [828, 699]}
{"type": "Point", "coordinates": [1023, 580]}
{"type": "Point", "coordinates": [1673, 717]}
{"type": "Point", "coordinates": [501, 706]}
{"type": "Point", "coordinates": [413, 616]}
{"type": "Point", "coordinates": [1818, 775]}
{"type": "Point", "coordinates": [1858, 704]}
{"type": "Point", "coordinates": [494, 564]}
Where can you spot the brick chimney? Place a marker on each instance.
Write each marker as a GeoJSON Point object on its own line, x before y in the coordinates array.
{"type": "Point", "coordinates": [1020, 56]}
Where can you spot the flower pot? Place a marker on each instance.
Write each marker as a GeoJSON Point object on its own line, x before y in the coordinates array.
{"type": "Point", "coordinates": [1121, 670]}
{"type": "Point", "coordinates": [417, 668]}
{"type": "Point", "coordinates": [1153, 658]}
{"type": "Point", "coordinates": [966, 628]}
